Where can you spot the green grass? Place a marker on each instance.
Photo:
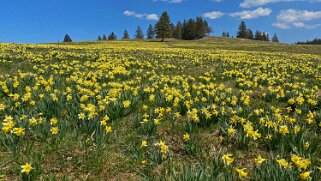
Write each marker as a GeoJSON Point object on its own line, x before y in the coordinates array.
{"type": "Point", "coordinates": [221, 43]}
{"type": "Point", "coordinates": [79, 156]}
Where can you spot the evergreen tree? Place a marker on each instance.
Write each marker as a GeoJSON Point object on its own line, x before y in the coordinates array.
{"type": "Point", "coordinates": [104, 37]}
{"type": "Point", "coordinates": [208, 29]}
{"type": "Point", "coordinates": [267, 37]}
{"type": "Point", "coordinates": [224, 34]}
{"type": "Point", "coordinates": [67, 38]}
{"type": "Point", "coordinates": [195, 29]}
{"type": "Point", "coordinates": [184, 30]}
{"type": "Point", "coordinates": [99, 38]}
{"type": "Point", "coordinates": [315, 41]}
{"type": "Point", "coordinates": [139, 33]}
{"type": "Point", "coordinates": [250, 34]}
{"type": "Point", "coordinates": [163, 27]}
{"type": "Point", "coordinates": [191, 29]}
{"type": "Point", "coordinates": [264, 37]}
{"type": "Point", "coordinates": [112, 36]}
{"type": "Point", "coordinates": [275, 39]}
{"type": "Point", "coordinates": [200, 28]}
{"type": "Point", "coordinates": [126, 35]}
{"type": "Point", "coordinates": [150, 32]}
{"type": "Point", "coordinates": [258, 35]}
{"type": "Point", "coordinates": [178, 30]}
{"type": "Point", "coordinates": [227, 34]}
{"type": "Point", "coordinates": [242, 32]}
{"type": "Point", "coordinates": [172, 30]}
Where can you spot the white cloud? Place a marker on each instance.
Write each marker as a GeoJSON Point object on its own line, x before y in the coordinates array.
{"type": "Point", "coordinates": [170, 1]}
{"type": "Point", "coordinates": [296, 18]}
{"type": "Point", "coordinates": [299, 24]}
{"type": "Point", "coordinates": [255, 3]}
{"type": "Point", "coordinates": [292, 15]}
{"type": "Point", "coordinates": [152, 16]}
{"type": "Point", "coordinates": [252, 14]}
{"type": "Point", "coordinates": [173, 1]}
{"type": "Point", "coordinates": [213, 15]}
{"type": "Point", "coordinates": [281, 25]}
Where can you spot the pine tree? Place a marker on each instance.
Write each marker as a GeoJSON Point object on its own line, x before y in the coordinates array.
{"type": "Point", "coordinates": [67, 38]}
{"type": "Point", "coordinates": [200, 28]}
{"type": "Point", "coordinates": [150, 32]}
{"type": "Point", "coordinates": [104, 37]}
{"type": "Point", "coordinates": [250, 34]}
{"type": "Point", "coordinates": [163, 27]}
{"type": "Point", "coordinates": [225, 34]}
{"type": "Point", "coordinates": [208, 29]}
{"type": "Point", "coordinates": [242, 32]}
{"type": "Point", "coordinates": [315, 41]}
{"type": "Point", "coordinates": [178, 30]}
{"type": "Point", "coordinates": [275, 39]}
{"type": "Point", "coordinates": [184, 30]}
{"type": "Point", "coordinates": [258, 35]}
{"type": "Point", "coordinates": [112, 36]}
{"type": "Point", "coordinates": [191, 29]}
{"type": "Point", "coordinates": [99, 38]}
{"type": "Point", "coordinates": [172, 30]}
{"type": "Point", "coordinates": [139, 33]}
{"type": "Point", "coordinates": [126, 35]}
{"type": "Point", "coordinates": [264, 38]}
{"type": "Point", "coordinates": [267, 37]}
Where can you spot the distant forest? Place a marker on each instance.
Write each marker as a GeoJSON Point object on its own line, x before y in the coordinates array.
{"type": "Point", "coordinates": [191, 29]}
{"type": "Point", "coordinates": [315, 41]}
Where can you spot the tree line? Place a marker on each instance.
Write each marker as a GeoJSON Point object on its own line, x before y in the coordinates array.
{"type": "Point", "coordinates": [315, 41]}
{"type": "Point", "coordinates": [189, 29]}
{"type": "Point", "coordinates": [247, 33]}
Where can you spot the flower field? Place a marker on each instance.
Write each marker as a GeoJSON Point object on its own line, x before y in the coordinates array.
{"type": "Point", "coordinates": [159, 111]}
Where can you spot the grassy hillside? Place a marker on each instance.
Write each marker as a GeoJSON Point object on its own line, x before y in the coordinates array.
{"type": "Point", "coordinates": [210, 109]}
{"type": "Point", "coordinates": [247, 45]}
{"type": "Point", "coordinates": [219, 43]}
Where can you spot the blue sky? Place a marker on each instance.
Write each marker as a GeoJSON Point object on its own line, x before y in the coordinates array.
{"type": "Point", "coordinates": [38, 21]}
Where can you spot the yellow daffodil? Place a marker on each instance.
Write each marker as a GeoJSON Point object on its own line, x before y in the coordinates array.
{"type": "Point", "coordinates": [284, 130]}
{"type": "Point", "coordinates": [108, 129]}
{"type": "Point", "coordinates": [143, 144]}
{"type": "Point", "coordinates": [186, 137]}
{"type": "Point", "coordinates": [227, 158]}
{"type": "Point", "coordinates": [241, 172]}
{"type": "Point", "coordinates": [126, 103]}
{"type": "Point", "coordinates": [305, 175]}
{"type": "Point", "coordinates": [18, 131]}
{"type": "Point", "coordinates": [259, 160]}
{"type": "Point", "coordinates": [53, 121]}
{"type": "Point", "coordinates": [231, 131]}
{"type": "Point", "coordinates": [26, 168]}
{"type": "Point", "coordinates": [283, 163]}
{"type": "Point", "coordinates": [54, 130]}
